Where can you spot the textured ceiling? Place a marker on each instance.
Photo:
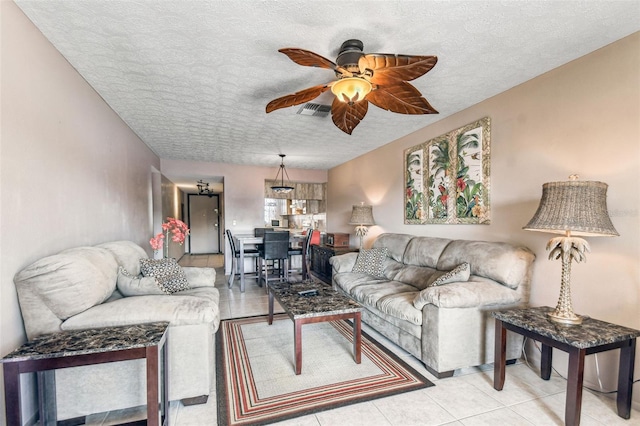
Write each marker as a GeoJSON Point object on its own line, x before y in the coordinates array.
{"type": "Point", "coordinates": [192, 78]}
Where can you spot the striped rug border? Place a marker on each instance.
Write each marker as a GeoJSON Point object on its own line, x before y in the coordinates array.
{"type": "Point", "coordinates": [247, 408]}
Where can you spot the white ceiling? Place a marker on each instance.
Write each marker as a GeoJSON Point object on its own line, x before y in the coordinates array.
{"type": "Point", "coordinates": [192, 78]}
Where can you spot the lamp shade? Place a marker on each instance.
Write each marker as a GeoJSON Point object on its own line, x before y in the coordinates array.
{"type": "Point", "coordinates": [576, 206]}
{"type": "Point", "coordinates": [361, 215]}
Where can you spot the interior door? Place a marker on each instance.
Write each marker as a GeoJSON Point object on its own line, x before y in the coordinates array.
{"type": "Point", "coordinates": [204, 222]}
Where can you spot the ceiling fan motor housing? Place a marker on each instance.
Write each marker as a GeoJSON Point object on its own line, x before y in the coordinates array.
{"type": "Point", "coordinates": [350, 53]}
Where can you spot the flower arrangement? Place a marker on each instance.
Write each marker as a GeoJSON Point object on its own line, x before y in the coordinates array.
{"type": "Point", "coordinates": [174, 227]}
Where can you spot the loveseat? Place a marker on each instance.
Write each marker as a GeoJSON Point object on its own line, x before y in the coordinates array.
{"type": "Point", "coordinates": [83, 288]}
{"type": "Point", "coordinates": [434, 296]}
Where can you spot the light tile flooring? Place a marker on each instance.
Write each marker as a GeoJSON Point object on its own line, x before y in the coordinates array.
{"type": "Point", "coordinates": [468, 398]}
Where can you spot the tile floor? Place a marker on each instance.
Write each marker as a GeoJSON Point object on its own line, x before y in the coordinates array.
{"type": "Point", "coordinates": [467, 399]}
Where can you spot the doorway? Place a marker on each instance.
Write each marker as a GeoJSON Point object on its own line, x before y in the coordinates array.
{"type": "Point", "coordinates": [204, 222]}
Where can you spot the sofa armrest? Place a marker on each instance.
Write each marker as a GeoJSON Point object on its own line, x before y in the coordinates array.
{"type": "Point", "coordinates": [475, 293]}
{"type": "Point", "coordinates": [200, 277]}
{"type": "Point", "coordinates": [343, 262]}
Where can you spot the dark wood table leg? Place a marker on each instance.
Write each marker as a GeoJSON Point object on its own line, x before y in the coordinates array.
{"type": "Point", "coordinates": [499, 355]}
{"type": "Point", "coordinates": [575, 374]}
{"type": "Point", "coordinates": [270, 320]}
{"type": "Point", "coordinates": [625, 378]}
{"type": "Point", "coordinates": [165, 383]}
{"type": "Point", "coordinates": [152, 385]}
{"type": "Point", "coordinates": [47, 397]}
{"type": "Point", "coordinates": [357, 337]}
{"type": "Point", "coordinates": [546, 361]}
{"type": "Point", "coordinates": [297, 345]}
{"type": "Point", "coordinates": [12, 393]}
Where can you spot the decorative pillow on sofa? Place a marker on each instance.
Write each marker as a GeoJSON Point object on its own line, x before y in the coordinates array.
{"type": "Point", "coordinates": [170, 276]}
{"type": "Point", "coordinates": [130, 285]}
{"type": "Point", "coordinates": [370, 262]}
{"type": "Point", "coordinates": [457, 274]}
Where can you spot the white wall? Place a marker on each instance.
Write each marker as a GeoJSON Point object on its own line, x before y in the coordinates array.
{"type": "Point", "coordinates": [71, 171]}
{"type": "Point", "coordinates": [584, 118]}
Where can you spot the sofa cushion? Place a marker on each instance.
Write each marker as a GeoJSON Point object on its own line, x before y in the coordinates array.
{"type": "Point", "coordinates": [139, 285]}
{"type": "Point", "coordinates": [417, 276]}
{"type": "Point", "coordinates": [177, 309]}
{"type": "Point", "coordinates": [127, 254]}
{"type": "Point", "coordinates": [395, 243]}
{"type": "Point", "coordinates": [370, 262]}
{"type": "Point", "coordinates": [350, 280]}
{"type": "Point", "coordinates": [424, 251]}
{"type": "Point", "coordinates": [500, 262]}
{"type": "Point", "coordinates": [457, 274]}
{"type": "Point", "coordinates": [72, 281]}
{"type": "Point", "coordinates": [170, 276]}
{"type": "Point", "coordinates": [370, 293]}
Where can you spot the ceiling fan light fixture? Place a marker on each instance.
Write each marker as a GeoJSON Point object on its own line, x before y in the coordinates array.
{"type": "Point", "coordinates": [351, 89]}
{"type": "Point", "coordinates": [282, 188]}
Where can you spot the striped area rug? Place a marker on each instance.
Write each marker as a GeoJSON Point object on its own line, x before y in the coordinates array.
{"type": "Point", "coordinates": [256, 382]}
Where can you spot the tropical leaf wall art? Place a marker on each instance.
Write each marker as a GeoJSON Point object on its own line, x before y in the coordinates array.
{"type": "Point", "coordinates": [447, 177]}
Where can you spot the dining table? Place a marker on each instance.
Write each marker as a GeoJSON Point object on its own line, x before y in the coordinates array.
{"type": "Point", "coordinates": [243, 239]}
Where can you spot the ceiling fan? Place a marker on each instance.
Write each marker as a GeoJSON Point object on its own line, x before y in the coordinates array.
{"type": "Point", "coordinates": [379, 78]}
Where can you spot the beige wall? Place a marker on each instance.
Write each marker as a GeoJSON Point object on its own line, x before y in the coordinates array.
{"type": "Point", "coordinates": [71, 172]}
{"type": "Point", "coordinates": [584, 118]}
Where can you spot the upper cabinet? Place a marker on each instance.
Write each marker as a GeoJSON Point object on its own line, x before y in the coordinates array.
{"type": "Point", "coordinates": [302, 191]}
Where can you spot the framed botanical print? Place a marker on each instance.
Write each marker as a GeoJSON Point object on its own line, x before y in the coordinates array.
{"type": "Point", "coordinates": [447, 177]}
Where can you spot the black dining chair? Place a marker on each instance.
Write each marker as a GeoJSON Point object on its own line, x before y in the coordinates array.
{"type": "Point", "coordinates": [235, 257]}
{"type": "Point", "coordinates": [303, 252]}
{"type": "Point", "coordinates": [275, 247]}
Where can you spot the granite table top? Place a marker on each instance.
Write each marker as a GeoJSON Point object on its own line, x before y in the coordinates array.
{"type": "Point", "coordinates": [327, 301]}
{"type": "Point", "coordinates": [589, 334]}
{"type": "Point", "coordinates": [90, 341]}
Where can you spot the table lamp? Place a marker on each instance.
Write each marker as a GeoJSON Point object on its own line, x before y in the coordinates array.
{"type": "Point", "coordinates": [362, 216]}
{"type": "Point", "coordinates": [573, 208]}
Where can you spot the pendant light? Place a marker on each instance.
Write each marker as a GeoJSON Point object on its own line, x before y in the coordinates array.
{"type": "Point", "coordinates": [282, 188]}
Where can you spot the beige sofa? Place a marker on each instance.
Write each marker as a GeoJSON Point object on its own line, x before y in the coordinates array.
{"type": "Point", "coordinates": [447, 326]}
{"type": "Point", "coordinates": [78, 289]}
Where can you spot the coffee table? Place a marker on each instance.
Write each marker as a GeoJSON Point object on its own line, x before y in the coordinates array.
{"type": "Point", "coordinates": [325, 304]}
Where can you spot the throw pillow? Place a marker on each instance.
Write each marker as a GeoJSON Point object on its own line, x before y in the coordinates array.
{"type": "Point", "coordinates": [170, 276]}
{"type": "Point", "coordinates": [130, 285]}
{"type": "Point", "coordinates": [457, 274]}
{"type": "Point", "coordinates": [370, 262]}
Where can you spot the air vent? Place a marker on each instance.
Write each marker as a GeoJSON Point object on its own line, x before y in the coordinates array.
{"type": "Point", "coordinates": [315, 110]}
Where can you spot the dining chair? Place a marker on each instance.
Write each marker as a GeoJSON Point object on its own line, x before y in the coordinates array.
{"type": "Point", "coordinates": [275, 247]}
{"type": "Point", "coordinates": [301, 251]}
{"type": "Point", "coordinates": [235, 257]}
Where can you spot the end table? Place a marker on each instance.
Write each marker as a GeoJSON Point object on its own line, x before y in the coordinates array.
{"type": "Point", "coordinates": [85, 347]}
{"type": "Point", "coordinates": [592, 336]}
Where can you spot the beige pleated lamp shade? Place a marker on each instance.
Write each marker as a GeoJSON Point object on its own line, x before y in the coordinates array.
{"type": "Point", "coordinates": [362, 215]}
{"type": "Point", "coordinates": [576, 206]}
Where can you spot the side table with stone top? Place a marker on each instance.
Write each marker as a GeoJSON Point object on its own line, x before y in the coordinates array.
{"type": "Point", "coordinates": [592, 336]}
{"type": "Point", "coordinates": [48, 352]}
{"type": "Point", "coordinates": [325, 305]}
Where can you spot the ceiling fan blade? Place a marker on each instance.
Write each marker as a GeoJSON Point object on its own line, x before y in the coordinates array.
{"type": "Point", "coordinates": [346, 117]}
{"type": "Point", "coordinates": [297, 98]}
{"type": "Point", "coordinates": [311, 59]}
{"type": "Point", "coordinates": [402, 98]}
{"type": "Point", "coordinates": [389, 69]}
